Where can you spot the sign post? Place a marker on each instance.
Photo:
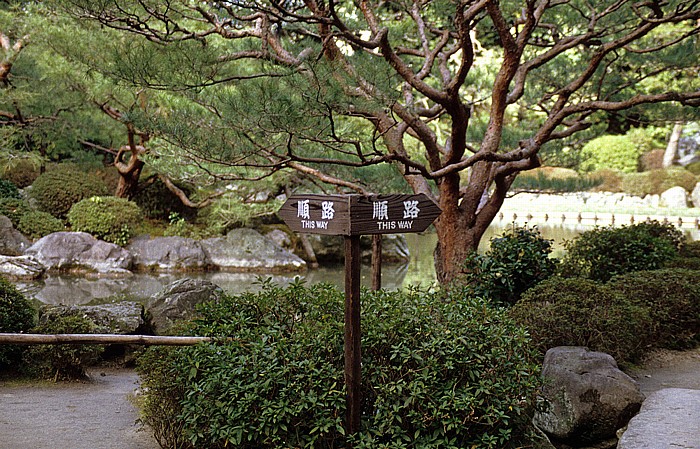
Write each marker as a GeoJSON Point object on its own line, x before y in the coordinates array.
{"type": "Point", "coordinates": [352, 216]}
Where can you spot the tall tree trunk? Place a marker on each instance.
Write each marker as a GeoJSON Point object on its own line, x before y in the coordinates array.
{"type": "Point", "coordinates": [671, 152]}
{"type": "Point", "coordinates": [129, 171]}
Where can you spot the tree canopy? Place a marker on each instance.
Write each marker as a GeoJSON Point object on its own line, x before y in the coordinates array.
{"type": "Point", "coordinates": [455, 98]}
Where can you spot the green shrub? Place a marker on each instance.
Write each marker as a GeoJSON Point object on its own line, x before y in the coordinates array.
{"type": "Point", "coordinates": [601, 253]}
{"type": "Point", "coordinates": [611, 180]}
{"type": "Point", "coordinates": [36, 224]}
{"type": "Point", "coordinates": [672, 297]}
{"type": "Point", "coordinates": [56, 191]}
{"type": "Point", "coordinates": [21, 172]}
{"type": "Point", "coordinates": [14, 209]}
{"type": "Point", "coordinates": [179, 227]}
{"type": "Point", "coordinates": [158, 202]}
{"type": "Point", "coordinates": [106, 217]}
{"type": "Point", "coordinates": [516, 261]}
{"type": "Point", "coordinates": [438, 372]}
{"type": "Point", "coordinates": [694, 168]}
{"type": "Point", "coordinates": [63, 362]}
{"type": "Point", "coordinates": [8, 190]}
{"type": "Point", "coordinates": [16, 315]}
{"type": "Point", "coordinates": [581, 312]}
{"type": "Point", "coordinates": [541, 182]}
{"type": "Point", "coordinates": [613, 152]}
{"type": "Point", "coordinates": [655, 182]}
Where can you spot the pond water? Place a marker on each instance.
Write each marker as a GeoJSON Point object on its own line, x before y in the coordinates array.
{"type": "Point", "coordinates": [74, 290]}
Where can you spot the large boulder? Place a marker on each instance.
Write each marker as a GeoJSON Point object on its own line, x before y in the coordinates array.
{"type": "Point", "coordinates": [122, 318]}
{"type": "Point", "coordinates": [669, 418]}
{"type": "Point", "coordinates": [178, 301]}
{"type": "Point", "coordinates": [674, 198]}
{"type": "Point", "coordinates": [168, 254]}
{"type": "Point", "coordinates": [81, 252]}
{"type": "Point", "coordinates": [20, 268]}
{"type": "Point", "coordinates": [247, 250]}
{"type": "Point", "coordinates": [586, 398]}
{"type": "Point", "coordinates": [12, 242]}
{"type": "Point", "coordinates": [331, 248]}
{"type": "Point", "coordinates": [695, 195]}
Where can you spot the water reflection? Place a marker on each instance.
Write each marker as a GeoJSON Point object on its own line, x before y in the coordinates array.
{"type": "Point", "coordinates": [420, 270]}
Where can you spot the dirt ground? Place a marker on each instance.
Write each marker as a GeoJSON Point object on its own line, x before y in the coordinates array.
{"type": "Point", "coordinates": [100, 415]}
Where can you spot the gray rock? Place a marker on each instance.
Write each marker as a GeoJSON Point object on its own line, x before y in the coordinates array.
{"type": "Point", "coordinates": [669, 418]}
{"type": "Point", "coordinates": [178, 302]}
{"type": "Point", "coordinates": [20, 267]}
{"type": "Point", "coordinates": [12, 242]}
{"type": "Point", "coordinates": [675, 198]}
{"type": "Point", "coordinates": [586, 398]}
{"type": "Point", "coordinates": [122, 318]}
{"type": "Point", "coordinates": [331, 248]}
{"type": "Point", "coordinates": [695, 195]}
{"type": "Point", "coordinates": [280, 238]}
{"type": "Point", "coordinates": [79, 251]}
{"type": "Point", "coordinates": [168, 254]}
{"type": "Point", "coordinates": [247, 250]}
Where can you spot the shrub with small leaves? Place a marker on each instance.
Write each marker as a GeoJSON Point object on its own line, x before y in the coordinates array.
{"type": "Point", "coordinates": [601, 253]}
{"type": "Point", "coordinates": [655, 182]}
{"type": "Point", "coordinates": [16, 315]}
{"type": "Point", "coordinates": [613, 152]}
{"type": "Point", "coordinates": [14, 209]}
{"type": "Point", "coordinates": [582, 312]}
{"type": "Point", "coordinates": [108, 218]}
{"type": "Point", "coordinates": [439, 371]}
{"type": "Point", "coordinates": [516, 261]}
{"type": "Point", "coordinates": [63, 362]}
{"type": "Point", "coordinates": [36, 224]}
{"type": "Point", "coordinates": [56, 191]}
{"type": "Point", "coordinates": [8, 190]}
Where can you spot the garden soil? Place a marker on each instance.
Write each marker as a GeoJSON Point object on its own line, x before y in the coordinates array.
{"type": "Point", "coordinates": [100, 414]}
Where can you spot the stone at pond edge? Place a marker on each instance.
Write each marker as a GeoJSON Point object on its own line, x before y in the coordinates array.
{"type": "Point", "coordinates": [586, 398]}
{"type": "Point", "coordinates": [80, 251]}
{"type": "Point", "coordinates": [122, 318]}
{"type": "Point", "coordinates": [168, 254]}
{"type": "Point", "coordinates": [12, 242]}
{"type": "Point", "coordinates": [331, 248]}
{"type": "Point", "coordinates": [245, 249]}
{"type": "Point", "coordinates": [178, 301]}
{"type": "Point", "coordinates": [674, 198]}
{"type": "Point", "coordinates": [20, 268]}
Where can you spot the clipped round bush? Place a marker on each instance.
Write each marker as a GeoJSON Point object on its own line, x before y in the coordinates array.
{"type": "Point", "coordinates": [694, 168]}
{"type": "Point", "coordinates": [56, 191]}
{"type": "Point", "coordinates": [601, 253]}
{"type": "Point", "coordinates": [63, 362]}
{"type": "Point", "coordinates": [36, 224]}
{"type": "Point", "coordinates": [612, 152]}
{"type": "Point", "coordinates": [610, 180]}
{"type": "Point", "coordinates": [106, 217]}
{"type": "Point", "coordinates": [581, 312]}
{"type": "Point", "coordinates": [8, 190]}
{"type": "Point", "coordinates": [14, 209]}
{"type": "Point", "coordinates": [16, 315]}
{"type": "Point", "coordinates": [655, 182]}
{"type": "Point", "coordinates": [22, 172]}
{"type": "Point", "coordinates": [515, 262]}
{"type": "Point", "coordinates": [158, 202]}
{"type": "Point", "coordinates": [438, 371]}
{"type": "Point", "coordinates": [672, 297]}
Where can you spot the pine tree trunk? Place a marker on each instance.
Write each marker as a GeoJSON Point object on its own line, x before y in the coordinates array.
{"type": "Point", "coordinates": [671, 152]}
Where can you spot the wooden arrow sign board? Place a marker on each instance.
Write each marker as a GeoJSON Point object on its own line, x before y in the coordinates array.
{"type": "Point", "coordinates": [353, 216]}
{"type": "Point", "coordinates": [359, 214]}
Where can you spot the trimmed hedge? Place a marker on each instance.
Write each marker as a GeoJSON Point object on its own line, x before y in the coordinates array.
{"type": "Point", "coordinates": [16, 315]}
{"type": "Point", "coordinates": [438, 372]}
{"type": "Point", "coordinates": [106, 217]}
{"type": "Point", "coordinates": [36, 224]}
{"type": "Point", "coordinates": [56, 191]}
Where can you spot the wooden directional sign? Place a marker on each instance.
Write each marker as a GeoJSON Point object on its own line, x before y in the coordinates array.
{"type": "Point", "coordinates": [359, 214]}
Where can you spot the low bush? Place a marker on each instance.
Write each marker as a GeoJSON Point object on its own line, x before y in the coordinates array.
{"type": "Point", "coordinates": [672, 297]}
{"type": "Point", "coordinates": [14, 209]}
{"type": "Point", "coordinates": [516, 261]}
{"type": "Point", "coordinates": [8, 190]}
{"type": "Point", "coordinates": [601, 253]}
{"type": "Point", "coordinates": [439, 371]}
{"type": "Point", "coordinates": [582, 312]}
{"type": "Point", "coordinates": [21, 172]}
{"type": "Point", "coordinates": [542, 182]}
{"type": "Point", "coordinates": [655, 182]}
{"type": "Point", "coordinates": [158, 202]}
{"type": "Point", "coordinates": [16, 315]}
{"type": "Point", "coordinates": [63, 362]}
{"type": "Point", "coordinates": [36, 224]}
{"type": "Point", "coordinates": [56, 191]}
{"type": "Point", "coordinates": [612, 152]}
{"type": "Point", "coordinates": [107, 218]}
{"type": "Point", "coordinates": [611, 180]}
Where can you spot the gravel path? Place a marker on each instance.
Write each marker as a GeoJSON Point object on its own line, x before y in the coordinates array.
{"type": "Point", "coordinates": [73, 415]}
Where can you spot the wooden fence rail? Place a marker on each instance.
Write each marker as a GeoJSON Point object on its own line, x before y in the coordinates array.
{"type": "Point", "coordinates": [98, 339]}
